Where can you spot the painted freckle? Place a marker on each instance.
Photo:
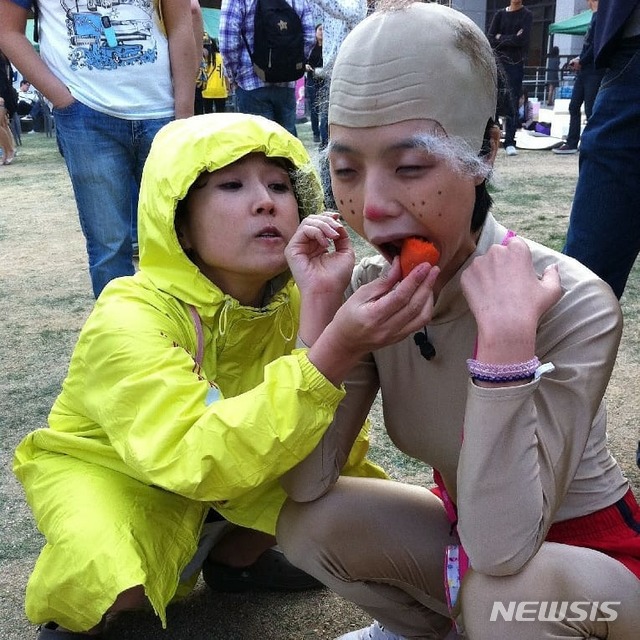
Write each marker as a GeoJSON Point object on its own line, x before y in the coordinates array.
{"type": "Point", "coordinates": [353, 213]}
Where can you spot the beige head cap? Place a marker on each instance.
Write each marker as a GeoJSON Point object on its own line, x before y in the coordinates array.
{"type": "Point", "coordinates": [423, 61]}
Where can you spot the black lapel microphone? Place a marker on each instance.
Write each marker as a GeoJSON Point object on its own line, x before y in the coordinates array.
{"type": "Point", "coordinates": [427, 350]}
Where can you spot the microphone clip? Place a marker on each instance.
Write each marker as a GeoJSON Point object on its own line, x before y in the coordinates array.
{"type": "Point", "coordinates": [427, 350]}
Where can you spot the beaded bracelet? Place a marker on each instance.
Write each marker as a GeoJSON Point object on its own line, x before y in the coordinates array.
{"type": "Point", "coordinates": [502, 372]}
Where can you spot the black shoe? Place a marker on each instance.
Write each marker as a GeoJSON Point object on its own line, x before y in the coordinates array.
{"type": "Point", "coordinates": [565, 150]}
{"type": "Point", "coordinates": [271, 571]}
{"type": "Point", "coordinates": [50, 631]}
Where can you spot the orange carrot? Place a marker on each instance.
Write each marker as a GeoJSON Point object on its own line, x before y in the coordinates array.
{"type": "Point", "coordinates": [416, 251]}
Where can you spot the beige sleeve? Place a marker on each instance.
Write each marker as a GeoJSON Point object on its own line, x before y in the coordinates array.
{"type": "Point", "coordinates": [317, 473]}
{"type": "Point", "coordinates": [523, 445]}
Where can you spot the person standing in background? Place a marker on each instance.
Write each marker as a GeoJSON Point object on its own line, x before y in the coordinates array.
{"type": "Point", "coordinates": [273, 100]}
{"type": "Point", "coordinates": [509, 36]}
{"type": "Point", "coordinates": [216, 89]}
{"type": "Point", "coordinates": [110, 96]}
{"type": "Point", "coordinates": [553, 74]}
{"type": "Point", "coordinates": [313, 88]}
{"type": "Point", "coordinates": [585, 87]}
{"type": "Point", "coordinates": [339, 17]}
{"type": "Point", "coordinates": [604, 226]}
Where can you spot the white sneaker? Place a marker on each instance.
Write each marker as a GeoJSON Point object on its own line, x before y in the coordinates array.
{"type": "Point", "coordinates": [511, 150]}
{"type": "Point", "coordinates": [374, 632]}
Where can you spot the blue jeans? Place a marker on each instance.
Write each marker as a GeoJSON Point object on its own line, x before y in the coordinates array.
{"type": "Point", "coordinates": [585, 89]}
{"type": "Point", "coordinates": [311, 96]}
{"type": "Point", "coordinates": [105, 156]}
{"type": "Point", "coordinates": [272, 102]}
{"type": "Point", "coordinates": [604, 227]}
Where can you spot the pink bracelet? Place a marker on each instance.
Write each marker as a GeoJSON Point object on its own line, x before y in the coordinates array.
{"type": "Point", "coordinates": [502, 372]}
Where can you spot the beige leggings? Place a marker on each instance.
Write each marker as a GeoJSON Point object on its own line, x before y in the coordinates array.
{"type": "Point", "coordinates": [380, 544]}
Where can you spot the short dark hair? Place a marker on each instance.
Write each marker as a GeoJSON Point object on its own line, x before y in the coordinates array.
{"type": "Point", "coordinates": [484, 201]}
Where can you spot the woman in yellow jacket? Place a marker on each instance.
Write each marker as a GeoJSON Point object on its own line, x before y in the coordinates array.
{"type": "Point", "coordinates": [185, 393]}
{"type": "Point", "coordinates": [216, 90]}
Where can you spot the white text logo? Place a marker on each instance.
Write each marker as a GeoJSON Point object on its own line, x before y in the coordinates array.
{"type": "Point", "coordinates": [550, 611]}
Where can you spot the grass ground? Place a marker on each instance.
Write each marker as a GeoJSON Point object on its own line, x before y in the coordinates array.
{"type": "Point", "coordinates": [45, 297]}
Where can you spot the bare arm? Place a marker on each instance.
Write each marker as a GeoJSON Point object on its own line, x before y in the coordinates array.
{"type": "Point", "coordinates": [183, 55]}
{"type": "Point", "coordinates": [15, 44]}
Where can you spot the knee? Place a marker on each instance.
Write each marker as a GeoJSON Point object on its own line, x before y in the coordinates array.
{"type": "Point", "coordinates": [302, 529]}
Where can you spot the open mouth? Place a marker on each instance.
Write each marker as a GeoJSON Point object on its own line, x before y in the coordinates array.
{"type": "Point", "coordinates": [393, 248]}
{"type": "Point", "coordinates": [269, 232]}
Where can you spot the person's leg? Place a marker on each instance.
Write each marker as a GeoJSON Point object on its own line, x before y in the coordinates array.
{"type": "Point", "coordinates": [604, 227]}
{"type": "Point", "coordinates": [379, 544]}
{"type": "Point", "coordinates": [98, 154]}
{"type": "Point", "coordinates": [591, 82]}
{"type": "Point", "coordinates": [323, 113]}
{"type": "Point", "coordinates": [256, 101]}
{"type": "Point", "coordinates": [568, 592]}
{"type": "Point", "coordinates": [283, 100]}
{"type": "Point", "coordinates": [198, 102]}
{"type": "Point", "coordinates": [575, 115]}
{"type": "Point", "coordinates": [220, 104]}
{"type": "Point", "coordinates": [207, 105]}
{"type": "Point", "coordinates": [6, 144]}
{"type": "Point", "coordinates": [144, 132]}
{"type": "Point", "coordinates": [515, 74]}
{"type": "Point", "coordinates": [312, 107]}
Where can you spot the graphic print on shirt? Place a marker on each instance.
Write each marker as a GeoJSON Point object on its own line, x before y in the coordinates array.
{"type": "Point", "coordinates": [103, 35]}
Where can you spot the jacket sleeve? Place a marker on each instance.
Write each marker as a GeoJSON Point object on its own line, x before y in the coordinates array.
{"type": "Point", "coordinates": [349, 11]}
{"type": "Point", "coordinates": [522, 445]}
{"type": "Point", "coordinates": [318, 472]}
{"type": "Point", "coordinates": [308, 28]}
{"type": "Point", "coordinates": [230, 40]}
{"type": "Point", "coordinates": [494, 30]}
{"type": "Point", "coordinates": [587, 58]}
{"type": "Point", "coordinates": [172, 427]}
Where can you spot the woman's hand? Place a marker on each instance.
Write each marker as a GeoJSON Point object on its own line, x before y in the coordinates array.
{"type": "Point", "coordinates": [508, 298]}
{"type": "Point", "coordinates": [317, 269]}
{"type": "Point", "coordinates": [378, 314]}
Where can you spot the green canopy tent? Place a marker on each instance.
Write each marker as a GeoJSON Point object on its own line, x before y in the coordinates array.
{"type": "Point", "coordinates": [211, 21]}
{"type": "Point", "coordinates": [575, 26]}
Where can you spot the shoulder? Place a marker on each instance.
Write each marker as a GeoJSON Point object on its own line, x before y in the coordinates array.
{"type": "Point", "coordinates": [586, 295]}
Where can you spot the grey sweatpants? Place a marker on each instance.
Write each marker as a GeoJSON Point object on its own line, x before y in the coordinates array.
{"type": "Point", "coordinates": [380, 544]}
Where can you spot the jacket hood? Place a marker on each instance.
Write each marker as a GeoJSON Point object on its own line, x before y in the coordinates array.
{"type": "Point", "coordinates": [180, 152]}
